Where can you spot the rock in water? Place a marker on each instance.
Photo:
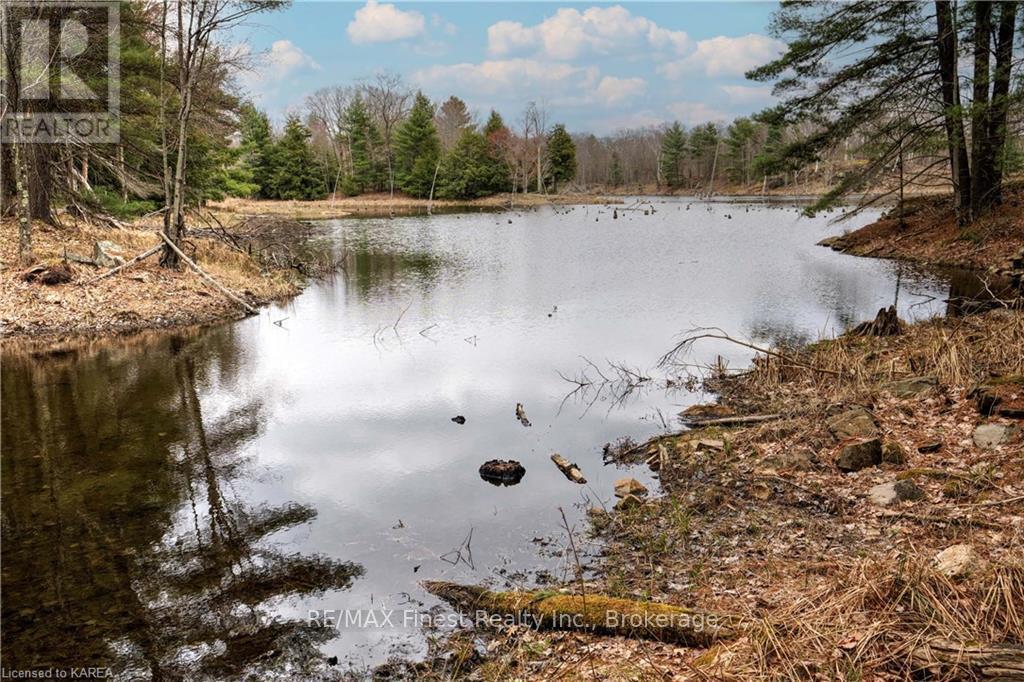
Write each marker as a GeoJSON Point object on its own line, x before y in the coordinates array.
{"type": "Point", "coordinates": [859, 454]}
{"type": "Point", "coordinates": [624, 487]}
{"type": "Point", "coordinates": [502, 471]}
{"type": "Point", "coordinates": [855, 422]}
{"type": "Point", "coordinates": [459, 419]}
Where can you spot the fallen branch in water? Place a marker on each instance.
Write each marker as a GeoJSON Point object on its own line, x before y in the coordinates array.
{"type": "Point", "coordinates": [597, 613]}
{"type": "Point", "coordinates": [688, 342]}
{"type": "Point", "coordinates": [738, 420]}
{"type": "Point", "coordinates": [571, 471]}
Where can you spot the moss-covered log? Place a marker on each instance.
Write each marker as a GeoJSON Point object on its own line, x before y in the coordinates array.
{"type": "Point", "coordinates": [591, 613]}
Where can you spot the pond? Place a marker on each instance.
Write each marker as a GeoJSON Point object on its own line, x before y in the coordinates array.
{"type": "Point", "coordinates": [177, 504]}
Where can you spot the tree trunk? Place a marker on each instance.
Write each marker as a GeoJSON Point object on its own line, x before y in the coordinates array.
{"type": "Point", "coordinates": [956, 141]}
{"type": "Point", "coordinates": [1000, 100]}
{"type": "Point", "coordinates": [24, 208]}
{"type": "Point", "coordinates": [981, 173]}
{"type": "Point", "coordinates": [40, 180]}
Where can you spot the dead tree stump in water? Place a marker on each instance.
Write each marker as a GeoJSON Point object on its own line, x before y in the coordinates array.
{"type": "Point", "coordinates": [886, 323]}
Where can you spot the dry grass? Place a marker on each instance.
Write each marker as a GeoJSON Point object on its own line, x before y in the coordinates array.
{"type": "Point", "coordinates": [143, 296]}
{"type": "Point", "coordinates": [383, 204]}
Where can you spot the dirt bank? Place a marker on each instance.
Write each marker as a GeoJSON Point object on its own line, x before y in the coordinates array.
{"type": "Point", "coordinates": [143, 296]}
{"type": "Point", "coordinates": [929, 234]}
{"type": "Point", "coordinates": [905, 563]}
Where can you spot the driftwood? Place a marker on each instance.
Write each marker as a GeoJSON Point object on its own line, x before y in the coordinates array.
{"type": "Point", "coordinates": [738, 420]}
{"type": "Point", "coordinates": [113, 271]}
{"type": "Point", "coordinates": [571, 471]}
{"type": "Point", "coordinates": [220, 287]}
{"type": "Point", "coordinates": [943, 658]}
{"type": "Point", "coordinates": [886, 323]}
{"type": "Point", "coordinates": [589, 613]}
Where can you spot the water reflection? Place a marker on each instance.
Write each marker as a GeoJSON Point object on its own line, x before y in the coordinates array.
{"type": "Point", "coordinates": [123, 546]}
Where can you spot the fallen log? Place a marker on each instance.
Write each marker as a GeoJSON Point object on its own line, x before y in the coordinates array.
{"type": "Point", "coordinates": [728, 421]}
{"type": "Point", "coordinates": [202, 273]}
{"type": "Point", "coordinates": [113, 271]}
{"type": "Point", "coordinates": [571, 471]}
{"type": "Point", "coordinates": [589, 613]}
{"type": "Point", "coordinates": [944, 658]}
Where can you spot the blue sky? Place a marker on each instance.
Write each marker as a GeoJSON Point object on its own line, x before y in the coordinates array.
{"type": "Point", "coordinates": [597, 67]}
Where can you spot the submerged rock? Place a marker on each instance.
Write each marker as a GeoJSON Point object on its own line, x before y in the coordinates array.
{"type": "Point", "coordinates": [859, 454]}
{"type": "Point", "coordinates": [502, 471]}
{"type": "Point", "coordinates": [459, 419]}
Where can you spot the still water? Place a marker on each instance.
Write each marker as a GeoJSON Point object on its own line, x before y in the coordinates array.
{"type": "Point", "coordinates": [175, 505]}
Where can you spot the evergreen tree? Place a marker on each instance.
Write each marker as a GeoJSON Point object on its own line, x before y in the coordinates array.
{"type": "Point", "coordinates": [417, 149]}
{"type": "Point", "coordinates": [468, 171]}
{"type": "Point", "coordinates": [495, 124]}
{"type": "Point", "coordinates": [256, 148]}
{"type": "Point", "coordinates": [615, 173]}
{"type": "Point", "coordinates": [739, 142]}
{"type": "Point", "coordinates": [673, 149]}
{"type": "Point", "coordinates": [497, 136]}
{"type": "Point", "coordinates": [365, 149]}
{"type": "Point", "coordinates": [561, 156]}
{"type": "Point", "coordinates": [295, 172]}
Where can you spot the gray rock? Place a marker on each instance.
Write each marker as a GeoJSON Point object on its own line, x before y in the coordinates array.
{"type": "Point", "coordinates": [887, 494]}
{"type": "Point", "coordinates": [893, 453]}
{"type": "Point", "coordinates": [911, 386]}
{"type": "Point", "coordinates": [859, 454]}
{"type": "Point", "coordinates": [107, 254]}
{"type": "Point", "coordinates": [856, 422]}
{"type": "Point", "coordinates": [988, 436]}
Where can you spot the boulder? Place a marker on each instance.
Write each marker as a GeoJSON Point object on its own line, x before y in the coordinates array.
{"type": "Point", "coordinates": [957, 561]}
{"type": "Point", "coordinates": [893, 453]}
{"type": "Point", "coordinates": [989, 436]}
{"type": "Point", "coordinates": [624, 487]}
{"type": "Point", "coordinates": [887, 494]}
{"type": "Point", "coordinates": [502, 471]}
{"type": "Point", "coordinates": [859, 454]}
{"type": "Point", "coordinates": [1003, 396]}
{"type": "Point", "coordinates": [911, 386]}
{"type": "Point", "coordinates": [855, 422]}
{"type": "Point", "coordinates": [107, 254]}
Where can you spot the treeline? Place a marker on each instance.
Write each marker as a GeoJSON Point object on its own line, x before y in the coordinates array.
{"type": "Point", "coordinates": [380, 136]}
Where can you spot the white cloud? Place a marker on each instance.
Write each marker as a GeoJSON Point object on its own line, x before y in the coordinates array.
{"type": "Point", "coordinates": [502, 76]}
{"type": "Point", "coordinates": [694, 113]}
{"type": "Point", "coordinates": [571, 33]}
{"type": "Point", "coordinates": [632, 120]}
{"type": "Point", "coordinates": [724, 56]}
{"type": "Point", "coordinates": [378, 23]}
{"type": "Point", "coordinates": [283, 59]}
{"type": "Point", "coordinates": [748, 95]}
{"type": "Point", "coordinates": [612, 90]}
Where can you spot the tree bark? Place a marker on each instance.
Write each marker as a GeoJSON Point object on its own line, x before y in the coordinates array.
{"type": "Point", "coordinates": [981, 173]}
{"type": "Point", "coordinates": [956, 141]}
{"type": "Point", "coordinates": [25, 254]}
{"type": "Point", "coordinates": [1000, 105]}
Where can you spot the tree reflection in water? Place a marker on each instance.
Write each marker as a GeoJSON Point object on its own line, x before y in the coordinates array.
{"type": "Point", "coordinates": [120, 547]}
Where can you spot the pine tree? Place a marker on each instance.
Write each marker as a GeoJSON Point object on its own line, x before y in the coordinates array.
{"type": "Point", "coordinates": [365, 150]}
{"type": "Point", "coordinates": [673, 149]}
{"type": "Point", "coordinates": [497, 136]}
{"type": "Point", "coordinates": [739, 142]}
{"type": "Point", "coordinates": [615, 173]}
{"type": "Point", "coordinates": [417, 149]}
{"type": "Point", "coordinates": [561, 156]}
{"type": "Point", "coordinates": [256, 148]}
{"type": "Point", "coordinates": [468, 171]}
{"type": "Point", "coordinates": [295, 172]}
